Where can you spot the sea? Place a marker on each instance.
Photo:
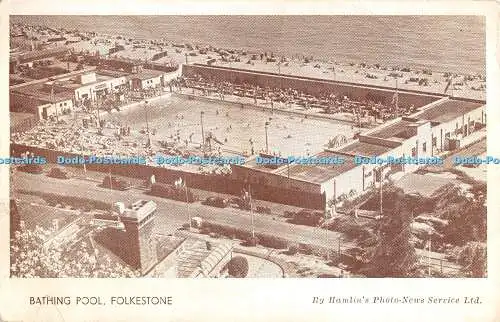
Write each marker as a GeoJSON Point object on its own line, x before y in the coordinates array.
{"type": "Point", "coordinates": [440, 43]}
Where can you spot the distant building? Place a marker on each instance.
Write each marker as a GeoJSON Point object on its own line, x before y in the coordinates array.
{"type": "Point", "coordinates": [116, 49]}
{"type": "Point", "coordinates": [146, 79]}
{"type": "Point", "coordinates": [164, 67]}
{"type": "Point", "coordinates": [121, 64]}
{"type": "Point", "coordinates": [40, 99]}
{"type": "Point", "coordinates": [31, 56]}
{"type": "Point", "coordinates": [93, 84]}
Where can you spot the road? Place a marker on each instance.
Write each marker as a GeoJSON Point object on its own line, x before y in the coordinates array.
{"type": "Point", "coordinates": [172, 214]}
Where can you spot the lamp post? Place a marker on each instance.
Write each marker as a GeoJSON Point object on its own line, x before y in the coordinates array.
{"type": "Point", "coordinates": [251, 212]}
{"type": "Point", "coordinates": [53, 101]}
{"type": "Point", "coordinates": [397, 98]}
{"type": "Point", "coordinates": [187, 204]}
{"type": "Point", "coordinates": [202, 131]}
{"type": "Point", "coordinates": [279, 74]}
{"type": "Point", "coordinates": [429, 255]}
{"type": "Point", "coordinates": [147, 123]}
{"type": "Point", "coordinates": [381, 191]}
{"type": "Point", "coordinates": [265, 127]}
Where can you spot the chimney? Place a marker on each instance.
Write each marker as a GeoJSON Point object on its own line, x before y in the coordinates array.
{"type": "Point", "coordinates": [55, 224]}
{"type": "Point", "coordinates": [119, 207]}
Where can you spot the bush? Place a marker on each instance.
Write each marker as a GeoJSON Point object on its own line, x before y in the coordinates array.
{"type": "Point", "coordinates": [251, 242]}
{"type": "Point", "coordinates": [263, 210]}
{"type": "Point", "coordinates": [32, 257]}
{"type": "Point", "coordinates": [305, 217]}
{"type": "Point", "coordinates": [238, 267]}
{"type": "Point", "coordinates": [273, 242]}
{"type": "Point", "coordinates": [292, 250]}
{"type": "Point", "coordinates": [305, 249]}
{"type": "Point", "coordinates": [205, 230]}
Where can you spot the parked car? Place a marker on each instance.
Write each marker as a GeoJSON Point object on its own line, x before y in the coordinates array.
{"type": "Point", "coordinates": [59, 173]}
{"type": "Point", "coordinates": [308, 218]}
{"type": "Point", "coordinates": [113, 182]}
{"type": "Point", "coordinates": [30, 168]}
{"type": "Point", "coordinates": [240, 203]}
{"type": "Point", "coordinates": [172, 192]}
{"type": "Point", "coordinates": [263, 210]}
{"type": "Point", "coordinates": [216, 202]}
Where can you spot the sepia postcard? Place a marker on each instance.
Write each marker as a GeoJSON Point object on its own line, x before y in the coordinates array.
{"type": "Point", "coordinates": [297, 161]}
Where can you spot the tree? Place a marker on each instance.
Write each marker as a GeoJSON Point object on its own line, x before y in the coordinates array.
{"type": "Point", "coordinates": [394, 255]}
{"type": "Point", "coordinates": [31, 258]}
{"type": "Point", "coordinates": [79, 66]}
{"type": "Point", "coordinates": [467, 221]}
{"type": "Point", "coordinates": [473, 259]}
{"type": "Point", "coordinates": [238, 266]}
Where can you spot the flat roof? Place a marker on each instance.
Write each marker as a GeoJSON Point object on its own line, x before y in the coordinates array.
{"type": "Point", "coordinates": [392, 130]}
{"type": "Point", "coordinates": [319, 173]}
{"type": "Point", "coordinates": [448, 110]}
{"type": "Point", "coordinates": [73, 82]}
{"type": "Point", "coordinates": [135, 62]}
{"type": "Point", "coordinates": [146, 74]}
{"type": "Point", "coordinates": [112, 73]}
{"type": "Point", "coordinates": [40, 54]}
{"type": "Point", "coordinates": [42, 93]}
{"type": "Point", "coordinates": [365, 149]}
{"type": "Point", "coordinates": [426, 185]}
{"type": "Point", "coordinates": [252, 164]}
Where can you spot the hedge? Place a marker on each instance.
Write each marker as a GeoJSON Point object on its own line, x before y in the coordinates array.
{"type": "Point", "coordinates": [266, 240]}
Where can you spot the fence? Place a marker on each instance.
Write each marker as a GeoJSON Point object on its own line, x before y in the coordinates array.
{"type": "Point", "coordinates": [208, 182]}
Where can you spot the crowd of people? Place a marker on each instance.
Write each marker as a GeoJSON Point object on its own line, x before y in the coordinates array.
{"type": "Point", "coordinates": [109, 138]}
{"type": "Point", "coordinates": [112, 140]}
{"type": "Point", "coordinates": [326, 102]}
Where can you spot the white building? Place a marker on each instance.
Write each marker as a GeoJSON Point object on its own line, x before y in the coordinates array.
{"type": "Point", "coordinates": [90, 85]}
{"type": "Point", "coordinates": [421, 135]}
{"type": "Point", "coordinates": [146, 79]}
{"type": "Point", "coordinates": [41, 100]}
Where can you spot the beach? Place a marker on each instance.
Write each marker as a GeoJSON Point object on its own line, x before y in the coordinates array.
{"type": "Point", "coordinates": [364, 54]}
